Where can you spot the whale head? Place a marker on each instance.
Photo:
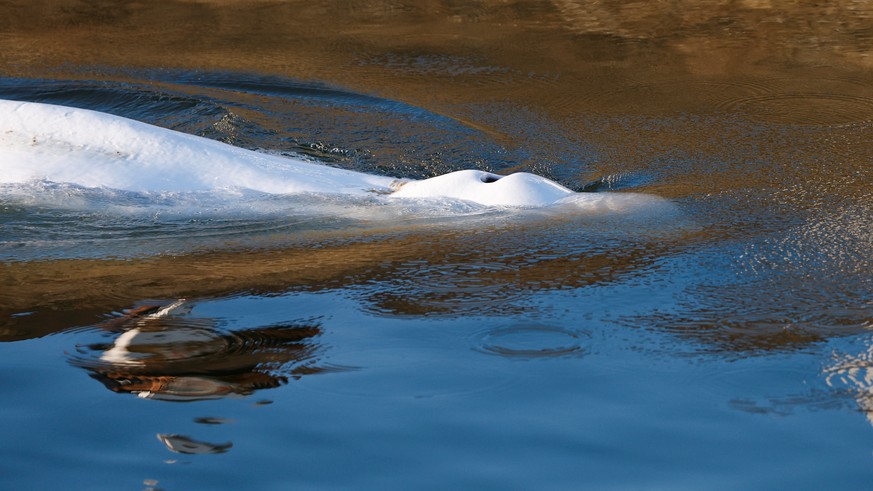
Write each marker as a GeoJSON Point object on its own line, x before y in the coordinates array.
{"type": "Point", "coordinates": [519, 189]}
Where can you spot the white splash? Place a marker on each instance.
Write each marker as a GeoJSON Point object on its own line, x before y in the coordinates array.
{"type": "Point", "coordinates": [42, 142]}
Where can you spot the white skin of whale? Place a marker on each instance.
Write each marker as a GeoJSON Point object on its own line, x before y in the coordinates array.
{"type": "Point", "coordinates": [93, 149]}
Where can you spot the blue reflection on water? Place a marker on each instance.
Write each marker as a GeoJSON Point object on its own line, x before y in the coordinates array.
{"type": "Point", "coordinates": [419, 399]}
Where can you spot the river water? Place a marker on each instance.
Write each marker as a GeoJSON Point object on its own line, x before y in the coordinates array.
{"type": "Point", "coordinates": [248, 341]}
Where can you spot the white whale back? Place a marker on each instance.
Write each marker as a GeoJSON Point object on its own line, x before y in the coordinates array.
{"type": "Point", "coordinates": [97, 150]}
{"type": "Point", "coordinates": [93, 149]}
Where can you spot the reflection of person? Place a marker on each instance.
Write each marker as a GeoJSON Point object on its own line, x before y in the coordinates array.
{"type": "Point", "coordinates": [855, 373]}
{"type": "Point", "coordinates": [161, 353]}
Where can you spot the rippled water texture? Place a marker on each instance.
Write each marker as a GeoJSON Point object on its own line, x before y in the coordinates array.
{"type": "Point", "coordinates": [232, 339]}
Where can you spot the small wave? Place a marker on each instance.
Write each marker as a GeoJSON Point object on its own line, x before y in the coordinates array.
{"type": "Point", "coordinates": [807, 109]}
{"type": "Point", "coordinates": [135, 101]}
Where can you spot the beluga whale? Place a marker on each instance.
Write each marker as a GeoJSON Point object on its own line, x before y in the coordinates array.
{"type": "Point", "coordinates": [60, 144]}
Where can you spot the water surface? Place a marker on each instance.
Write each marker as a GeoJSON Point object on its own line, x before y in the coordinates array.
{"type": "Point", "coordinates": [241, 340]}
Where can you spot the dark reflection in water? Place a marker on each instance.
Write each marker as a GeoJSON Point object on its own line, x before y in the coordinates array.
{"type": "Point", "coordinates": [157, 353]}
{"type": "Point", "coordinates": [187, 445]}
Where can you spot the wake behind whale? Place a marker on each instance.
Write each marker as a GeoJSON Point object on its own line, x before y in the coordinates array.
{"type": "Point", "coordinates": [43, 143]}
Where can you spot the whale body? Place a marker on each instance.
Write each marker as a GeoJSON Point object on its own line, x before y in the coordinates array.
{"type": "Point", "coordinates": [98, 150]}
{"type": "Point", "coordinates": [94, 149]}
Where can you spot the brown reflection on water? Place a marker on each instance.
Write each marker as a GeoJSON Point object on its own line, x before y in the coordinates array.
{"type": "Point", "coordinates": [576, 51]}
{"type": "Point", "coordinates": [482, 271]}
{"type": "Point", "coordinates": [494, 271]}
{"type": "Point", "coordinates": [80, 289]}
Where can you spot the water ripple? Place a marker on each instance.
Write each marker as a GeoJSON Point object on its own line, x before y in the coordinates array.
{"type": "Point", "coordinates": [531, 342]}
{"type": "Point", "coordinates": [807, 109]}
